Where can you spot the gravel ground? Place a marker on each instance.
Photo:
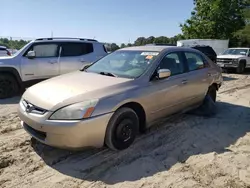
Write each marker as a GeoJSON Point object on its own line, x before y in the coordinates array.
{"type": "Point", "coordinates": [184, 151]}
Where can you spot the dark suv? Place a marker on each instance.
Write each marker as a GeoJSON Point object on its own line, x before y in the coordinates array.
{"type": "Point", "coordinates": [207, 50]}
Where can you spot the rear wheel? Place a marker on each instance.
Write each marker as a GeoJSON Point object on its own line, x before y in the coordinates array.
{"type": "Point", "coordinates": [212, 92]}
{"type": "Point", "coordinates": [8, 86]}
{"type": "Point", "coordinates": [122, 129]}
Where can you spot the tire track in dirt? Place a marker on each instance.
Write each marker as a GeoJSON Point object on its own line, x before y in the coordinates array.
{"type": "Point", "coordinates": [9, 123]}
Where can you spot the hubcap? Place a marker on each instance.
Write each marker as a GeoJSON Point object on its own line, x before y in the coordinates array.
{"type": "Point", "coordinates": [124, 130]}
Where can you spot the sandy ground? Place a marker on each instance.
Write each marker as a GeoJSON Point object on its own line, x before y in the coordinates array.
{"type": "Point", "coordinates": [184, 151]}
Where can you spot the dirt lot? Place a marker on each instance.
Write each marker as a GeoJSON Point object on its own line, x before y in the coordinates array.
{"type": "Point", "coordinates": [185, 151]}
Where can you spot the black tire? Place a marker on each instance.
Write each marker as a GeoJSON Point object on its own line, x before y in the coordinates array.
{"type": "Point", "coordinates": [8, 86]}
{"type": "Point", "coordinates": [212, 92]}
{"type": "Point", "coordinates": [122, 129]}
{"type": "Point", "coordinates": [241, 68]}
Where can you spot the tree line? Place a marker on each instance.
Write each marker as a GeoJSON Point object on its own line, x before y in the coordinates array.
{"type": "Point", "coordinates": [12, 44]}
{"type": "Point", "coordinates": [210, 19]}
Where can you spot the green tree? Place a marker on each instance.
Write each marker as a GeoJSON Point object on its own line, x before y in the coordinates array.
{"type": "Point", "coordinates": [114, 47]}
{"type": "Point", "coordinates": [161, 40]}
{"type": "Point", "coordinates": [13, 44]}
{"type": "Point", "coordinates": [215, 19]}
{"type": "Point", "coordinates": [140, 41]}
{"type": "Point", "coordinates": [242, 37]}
{"type": "Point", "coordinates": [150, 40]}
{"type": "Point", "coordinates": [123, 45]}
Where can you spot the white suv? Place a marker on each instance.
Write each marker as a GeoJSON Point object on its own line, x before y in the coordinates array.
{"type": "Point", "coordinates": [45, 58]}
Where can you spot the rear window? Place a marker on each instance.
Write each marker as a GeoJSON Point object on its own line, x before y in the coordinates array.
{"type": "Point", "coordinates": [206, 50]}
{"type": "Point", "coordinates": [76, 49]}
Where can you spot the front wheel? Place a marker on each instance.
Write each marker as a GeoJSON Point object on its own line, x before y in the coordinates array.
{"type": "Point", "coordinates": [241, 68]}
{"type": "Point", "coordinates": [122, 129]}
{"type": "Point", "coordinates": [8, 86]}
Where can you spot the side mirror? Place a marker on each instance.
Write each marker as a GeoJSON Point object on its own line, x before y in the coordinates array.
{"type": "Point", "coordinates": [31, 54]}
{"type": "Point", "coordinates": [163, 73]}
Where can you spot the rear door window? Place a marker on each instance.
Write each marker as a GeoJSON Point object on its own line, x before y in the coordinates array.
{"type": "Point", "coordinates": [76, 49]}
{"type": "Point", "coordinates": [194, 61]}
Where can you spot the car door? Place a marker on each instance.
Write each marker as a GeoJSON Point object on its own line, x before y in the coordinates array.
{"type": "Point", "coordinates": [170, 94]}
{"type": "Point", "coordinates": [74, 55]}
{"type": "Point", "coordinates": [198, 78]}
{"type": "Point", "coordinates": [45, 63]}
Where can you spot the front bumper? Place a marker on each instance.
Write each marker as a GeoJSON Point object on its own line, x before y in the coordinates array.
{"type": "Point", "coordinates": [228, 65]}
{"type": "Point", "coordinates": [66, 134]}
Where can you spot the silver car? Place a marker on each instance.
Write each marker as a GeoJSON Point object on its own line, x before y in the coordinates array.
{"type": "Point", "coordinates": [110, 101]}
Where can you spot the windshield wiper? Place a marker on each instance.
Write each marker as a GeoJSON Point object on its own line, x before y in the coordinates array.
{"type": "Point", "coordinates": [108, 74]}
{"type": "Point", "coordinates": [86, 66]}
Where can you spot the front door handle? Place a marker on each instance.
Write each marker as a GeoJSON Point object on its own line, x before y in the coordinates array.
{"type": "Point", "coordinates": [52, 61]}
{"type": "Point", "coordinates": [184, 82]}
{"type": "Point", "coordinates": [82, 60]}
{"type": "Point", "coordinates": [209, 74]}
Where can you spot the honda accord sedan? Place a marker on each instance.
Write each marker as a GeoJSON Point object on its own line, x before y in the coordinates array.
{"type": "Point", "coordinates": [112, 100]}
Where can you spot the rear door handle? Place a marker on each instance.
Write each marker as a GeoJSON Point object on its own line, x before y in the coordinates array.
{"type": "Point", "coordinates": [184, 82]}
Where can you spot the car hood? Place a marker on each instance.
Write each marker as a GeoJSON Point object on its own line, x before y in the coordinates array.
{"type": "Point", "coordinates": [51, 92]}
{"type": "Point", "coordinates": [5, 59]}
{"type": "Point", "coordinates": [229, 56]}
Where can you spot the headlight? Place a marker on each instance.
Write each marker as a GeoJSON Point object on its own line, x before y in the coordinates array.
{"type": "Point", "coordinates": [75, 111]}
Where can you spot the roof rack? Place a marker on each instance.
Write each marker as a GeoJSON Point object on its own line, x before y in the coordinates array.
{"type": "Point", "coordinates": [160, 44]}
{"type": "Point", "coordinates": [56, 38]}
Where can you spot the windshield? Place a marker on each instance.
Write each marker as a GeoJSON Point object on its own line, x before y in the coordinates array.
{"type": "Point", "coordinates": [127, 64]}
{"type": "Point", "coordinates": [235, 51]}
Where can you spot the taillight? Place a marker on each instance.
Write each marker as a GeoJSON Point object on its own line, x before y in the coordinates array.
{"type": "Point", "coordinates": [8, 53]}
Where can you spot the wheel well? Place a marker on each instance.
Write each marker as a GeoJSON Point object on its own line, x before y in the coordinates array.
{"type": "Point", "coordinates": [13, 75]}
{"type": "Point", "coordinates": [215, 85]}
{"type": "Point", "coordinates": [140, 113]}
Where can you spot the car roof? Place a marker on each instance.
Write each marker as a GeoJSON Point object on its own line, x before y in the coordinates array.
{"type": "Point", "coordinates": [148, 48]}
{"type": "Point", "coordinates": [66, 39]}
{"type": "Point", "coordinates": [3, 47]}
{"type": "Point", "coordinates": [158, 48]}
{"type": "Point", "coordinates": [240, 48]}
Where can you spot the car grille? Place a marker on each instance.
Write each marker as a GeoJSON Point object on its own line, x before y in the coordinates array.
{"type": "Point", "coordinates": [30, 108]}
{"type": "Point", "coordinates": [225, 60]}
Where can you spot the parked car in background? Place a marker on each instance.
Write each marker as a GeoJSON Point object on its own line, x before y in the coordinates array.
{"type": "Point", "coordinates": [4, 51]}
{"type": "Point", "coordinates": [235, 58]}
{"type": "Point", "coordinates": [45, 58]}
{"type": "Point", "coordinates": [113, 99]}
{"type": "Point", "coordinates": [207, 50]}
{"type": "Point", "coordinates": [219, 46]}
